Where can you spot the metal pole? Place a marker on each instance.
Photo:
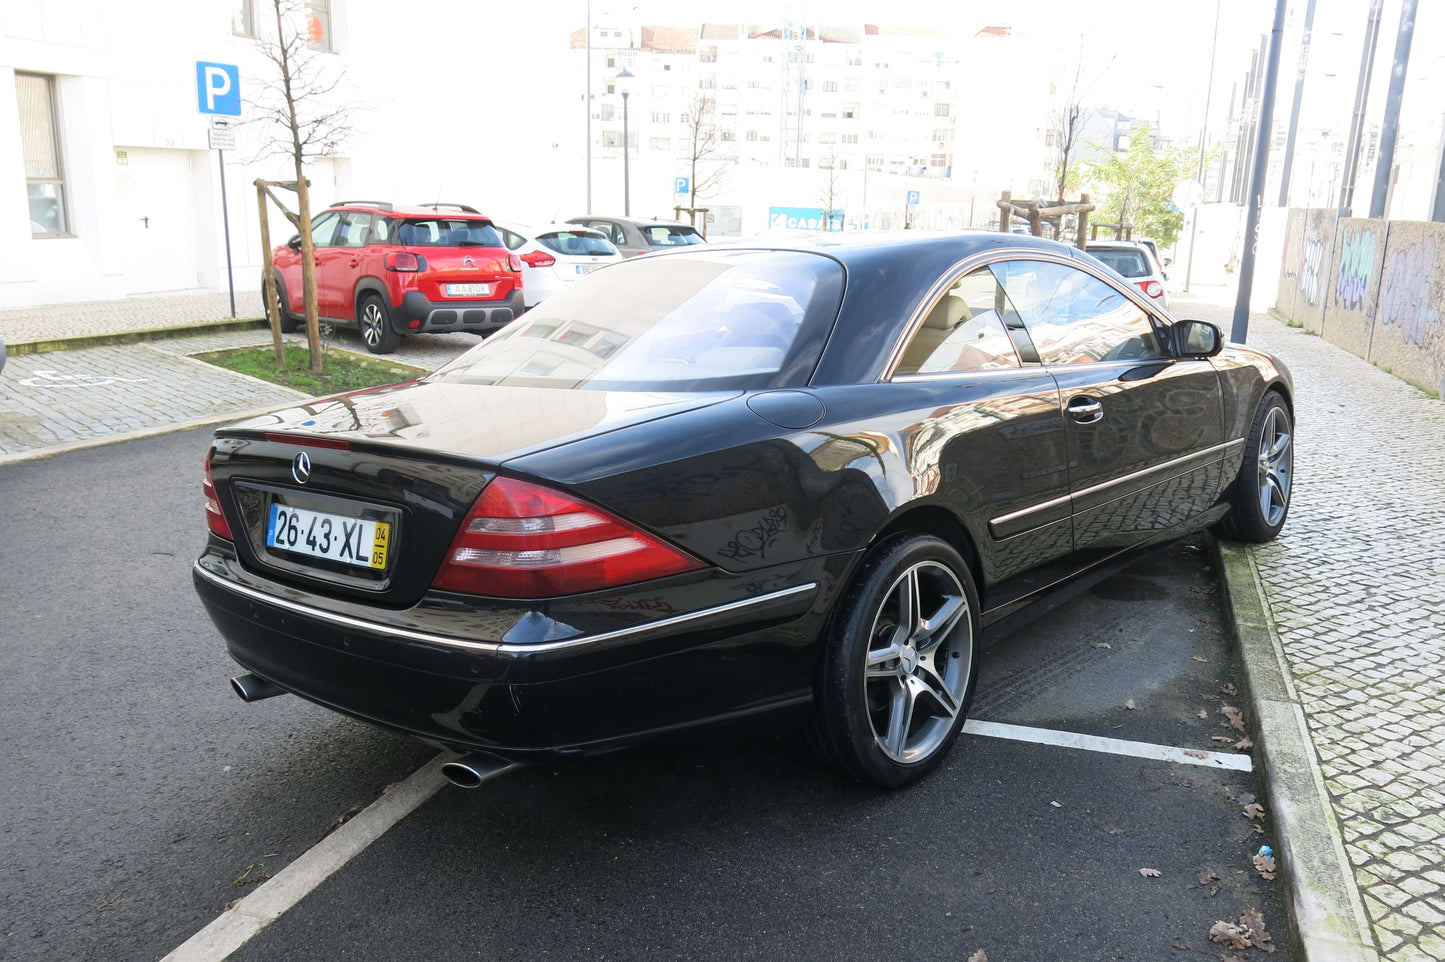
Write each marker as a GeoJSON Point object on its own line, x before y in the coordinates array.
{"type": "Point", "coordinates": [1299, 92]}
{"type": "Point", "coordinates": [1391, 129]}
{"type": "Point", "coordinates": [1256, 180]}
{"type": "Point", "coordinates": [1224, 153]}
{"type": "Point", "coordinates": [226, 225]}
{"type": "Point", "coordinates": [589, 106]}
{"type": "Point", "coordinates": [1357, 121]}
{"type": "Point", "coordinates": [1203, 133]}
{"type": "Point", "coordinates": [626, 163]}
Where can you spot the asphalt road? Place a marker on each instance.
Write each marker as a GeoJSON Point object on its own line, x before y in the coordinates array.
{"type": "Point", "coordinates": [142, 796]}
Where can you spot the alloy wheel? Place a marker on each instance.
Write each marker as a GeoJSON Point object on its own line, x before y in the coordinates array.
{"type": "Point", "coordinates": [1276, 463]}
{"type": "Point", "coordinates": [919, 662]}
{"type": "Point", "coordinates": [371, 323]}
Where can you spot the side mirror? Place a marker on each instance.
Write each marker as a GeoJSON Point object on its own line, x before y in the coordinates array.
{"type": "Point", "coordinates": [1168, 262]}
{"type": "Point", "coordinates": [295, 242]}
{"type": "Point", "coordinates": [1197, 339]}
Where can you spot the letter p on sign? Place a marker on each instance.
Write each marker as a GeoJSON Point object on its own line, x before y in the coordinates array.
{"type": "Point", "coordinates": [218, 89]}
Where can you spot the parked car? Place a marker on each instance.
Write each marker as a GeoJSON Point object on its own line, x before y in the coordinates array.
{"type": "Point", "coordinates": [633, 236]}
{"type": "Point", "coordinates": [1135, 261]}
{"type": "Point", "coordinates": [779, 488]}
{"type": "Point", "coordinates": [556, 255]}
{"type": "Point", "coordinates": [1159, 259]}
{"type": "Point", "coordinates": [430, 269]}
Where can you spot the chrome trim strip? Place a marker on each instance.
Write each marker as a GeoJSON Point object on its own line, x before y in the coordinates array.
{"type": "Point", "coordinates": [494, 646]}
{"type": "Point", "coordinates": [1004, 519]}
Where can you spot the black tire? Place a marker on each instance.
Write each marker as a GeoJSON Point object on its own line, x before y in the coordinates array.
{"type": "Point", "coordinates": [289, 322]}
{"type": "Point", "coordinates": [374, 319]}
{"type": "Point", "coordinates": [851, 702]}
{"type": "Point", "coordinates": [1263, 473]}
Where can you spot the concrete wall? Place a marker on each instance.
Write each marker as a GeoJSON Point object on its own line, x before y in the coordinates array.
{"type": "Point", "coordinates": [1376, 288]}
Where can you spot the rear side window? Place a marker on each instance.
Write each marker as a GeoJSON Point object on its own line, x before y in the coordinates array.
{"type": "Point", "coordinates": [720, 320]}
{"type": "Point", "coordinates": [576, 242]}
{"type": "Point", "coordinates": [669, 235]}
{"type": "Point", "coordinates": [447, 232]}
{"type": "Point", "coordinates": [963, 331]}
{"type": "Point", "coordinates": [1128, 263]}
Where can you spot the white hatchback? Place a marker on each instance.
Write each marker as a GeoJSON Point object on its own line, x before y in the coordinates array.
{"type": "Point", "coordinates": [1134, 261]}
{"type": "Point", "coordinates": [556, 255]}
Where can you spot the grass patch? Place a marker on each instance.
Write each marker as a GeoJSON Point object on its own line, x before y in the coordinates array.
{"type": "Point", "coordinates": [344, 371]}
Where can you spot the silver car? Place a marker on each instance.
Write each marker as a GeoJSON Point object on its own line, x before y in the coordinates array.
{"type": "Point", "coordinates": [1135, 262]}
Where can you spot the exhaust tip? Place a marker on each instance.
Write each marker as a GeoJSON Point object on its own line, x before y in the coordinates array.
{"type": "Point", "coordinates": [469, 771]}
{"type": "Point", "coordinates": [249, 688]}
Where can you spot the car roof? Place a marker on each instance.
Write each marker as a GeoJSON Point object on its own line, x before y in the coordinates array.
{"type": "Point", "coordinates": [634, 221]}
{"type": "Point", "coordinates": [1116, 244]}
{"type": "Point", "coordinates": [459, 211]}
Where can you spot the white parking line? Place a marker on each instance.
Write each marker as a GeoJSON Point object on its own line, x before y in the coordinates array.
{"type": "Point", "coordinates": [235, 926]}
{"type": "Point", "coordinates": [1111, 746]}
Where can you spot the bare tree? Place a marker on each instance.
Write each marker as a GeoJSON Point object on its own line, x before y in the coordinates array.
{"type": "Point", "coordinates": [299, 117]}
{"type": "Point", "coordinates": [705, 149]}
{"type": "Point", "coordinates": [1066, 127]}
{"type": "Point", "coordinates": [831, 191]}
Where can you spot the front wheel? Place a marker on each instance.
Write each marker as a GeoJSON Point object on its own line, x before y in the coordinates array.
{"type": "Point", "coordinates": [899, 672]}
{"type": "Point", "coordinates": [1260, 500]}
{"type": "Point", "coordinates": [376, 329]}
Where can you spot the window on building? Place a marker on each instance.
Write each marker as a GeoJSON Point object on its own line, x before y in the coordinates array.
{"type": "Point", "coordinates": [850, 111]}
{"type": "Point", "coordinates": [660, 143]}
{"type": "Point", "coordinates": [1049, 137]}
{"type": "Point", "coordinates": [940, 110]}
{"type": "Point", "coordinates": [829, 115]}
{"type": "Point", "coordinates": [611, 63]}
{"type": "Point", "coordinates": [661, 118]}
{"type": "Point", "coordinates": [754, 84]}
{"type": "Point", "coordinates": [850, 86]}
{"type": "Point", "coordinates": [318, 25]}
{"type": "Point", "coordinates": [875, 161]}
{"type": "Point", "coordinates": [612, 86]}
{"type": "Point", "coordinates": [608, 111]}
{"type": "Point", "coordinates": [707, 54]}
{"type": "Point", "coordinates": [726, 134]}
{"type": "Point", "coordinates": [751, 135]}
{"type": "Point", "coordinates": [708, 82]}
{"type": "Point", "coordinates": [243, 18]}
{"type": "Point", "coordinates": [903, 83]}
{"type": "Point", "coordinates": [40, 143]}
{"type": "Point", "coordinates": [808, 84]}
{"type": "Point", "coordinates": [938, 160]}
{"type": "Point", "coordinates": [875, 135]}
{"type": "Point", "coordinates": [805, 161]}
{"type": "Point", "coordinates": [827, 137]}
{"type": "Point", "coordinates": [830, 86]}
{"type": "Point", "coordinates": [849, 138]}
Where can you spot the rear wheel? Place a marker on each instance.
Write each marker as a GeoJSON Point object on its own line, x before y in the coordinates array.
{"type": "Point", "coordinates": [1259, 503]}
{"type": "Point", "coordinates": [376, 329]}
{"type": "Point", "coordinates": [899, 672]}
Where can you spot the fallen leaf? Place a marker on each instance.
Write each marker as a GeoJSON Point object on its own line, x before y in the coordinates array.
{"type": "Point", "coordinates": [1211, 881]}
{"type": "Point", "coordinates": [1228, 689]}
{"type": "Point", "coordinates": [1264, 865]}
{"type": "Point", "coordinates": [1114, 830]}
{"type": "Point", "coordinates": [1253, 810]}
{"type": "Point", "coordinates": [1203, 661]}
{"type": "Point", "coordinates": [1221, 738]}
{"type": "Point", "coordinates": [979, 956]}
{"type": "Point", "coordinates": [1102, 644]}
{"type": "Point", "coordinates": [1179, 945]}
{"type": "Point", "coordinates": [1203, 713]}
{"type": "Point", "coordinates": [1244, 744]}
{"type": "Point", "coordinates": [1253, 922]}
{"type": "Point", "coordinates": [1246, 798]}
{"type": "Point", "coordinates": [1229, 935]}
{"type": "Point", "coordinates": [1233, 717]}
{"type": "Point", "coordinates": [1129, 704]}
{"type": "Point", "coordinates": [1150, 872]}
{"type": "Point", "coordinates": [1195, 753]}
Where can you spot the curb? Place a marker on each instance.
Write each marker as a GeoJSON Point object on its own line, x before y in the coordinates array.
{"type": "Point", "coordinates": [132, 337]}
{"type": "Point", "coordinates": [1327, 915]}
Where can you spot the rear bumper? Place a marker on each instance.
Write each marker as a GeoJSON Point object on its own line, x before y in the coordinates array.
{"type": "Point", "coordinates": [474, 317]}
{"type": "Point", "coordinates": [589, 691]}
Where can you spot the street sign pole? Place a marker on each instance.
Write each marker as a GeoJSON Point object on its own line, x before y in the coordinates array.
{"type": "Point", "coordinates": [218, 95]}
{"type": "Point", "coordinates": [220, 136]}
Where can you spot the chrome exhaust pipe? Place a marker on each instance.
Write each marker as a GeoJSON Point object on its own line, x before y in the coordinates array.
{"type": "Point", "coordinates": [253, 687]}
{"type": "Point", "coordinates": [469, 771]}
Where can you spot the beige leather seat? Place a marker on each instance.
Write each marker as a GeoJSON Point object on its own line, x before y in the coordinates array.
{"type": "Point", "coordinates": [947, 314]}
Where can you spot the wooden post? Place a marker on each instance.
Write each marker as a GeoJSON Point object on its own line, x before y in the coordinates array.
{"type": "Point", "coordinates": [1005, 207]}
{"type": "Point", "coordinates": [1036, 221]}
{"type": "Point", "coordinates": [268, 277]}
{"type": "Point", "coordinates": [1083, 221]}
{"type": "Point", "coordinates": [308, 271]}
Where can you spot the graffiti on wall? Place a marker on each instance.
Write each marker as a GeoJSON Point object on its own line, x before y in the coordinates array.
{"type": "Point", "coordinates": [1357, 257]}
{"type": "Point", "coordinates": [1405, 296]}
{"type": "Point", "coordinates": [1311, 254]}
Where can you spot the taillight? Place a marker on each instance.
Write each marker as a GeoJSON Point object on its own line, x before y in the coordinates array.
{"type": "Point", "coordinates": [1152, 288]}
{"type": "Point", "coordinates": [522, 540]}
{"type": "Point", "coordinates": [535, 259]}
{"type": "Point", "coordinates": [215, 520]}
{"type": "Point", "coordinates": [402, 261]}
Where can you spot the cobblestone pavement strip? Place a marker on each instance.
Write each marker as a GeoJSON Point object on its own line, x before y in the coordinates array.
{"type": "Point", "coordinates": [85, 318]}
{"type": "Point", "coordinates": [1356, 588]}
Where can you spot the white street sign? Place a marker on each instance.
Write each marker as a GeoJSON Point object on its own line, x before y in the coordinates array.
{"type": "Point", "coordinates": [222, 138]}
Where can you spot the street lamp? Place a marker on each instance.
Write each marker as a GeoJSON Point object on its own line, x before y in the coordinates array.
{"type": "Point", "coordinates": [622, 82]}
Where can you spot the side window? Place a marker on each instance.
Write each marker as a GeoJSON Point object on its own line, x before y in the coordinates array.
{"type": "Point", "coordinates": [355, 230]}
{"type": "Point", "coordinates": [1074, 317]}
{"type": "Point", "coordinates": [963, 331]}
{"type": "Point", "coordinates": [511, 238]}
{"type": "Point", "coordinates": [323, 228]}
{"type": "Point", "coordinates": [381, 231]}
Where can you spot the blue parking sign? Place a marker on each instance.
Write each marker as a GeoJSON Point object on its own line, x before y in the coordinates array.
{"type": "Point", "coordinates": [218, 88]}
{"type": "Point", "coordinates": [681, 185]}
{"type": "Point", "coordinates": [913, 198]}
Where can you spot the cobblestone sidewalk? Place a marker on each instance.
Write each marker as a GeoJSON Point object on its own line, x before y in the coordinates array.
{"type": "Point", "coordinates": [87, 318]}
{"type": "Point", "coordinates": [1356, 588]}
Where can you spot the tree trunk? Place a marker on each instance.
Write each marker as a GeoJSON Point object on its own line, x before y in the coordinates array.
{"type": "Point", "coordinates": [308, 271]}
{"type": "Point", "coordinates": [268, 278]}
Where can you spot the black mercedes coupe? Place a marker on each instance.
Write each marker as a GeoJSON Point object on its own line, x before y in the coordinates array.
{"type": "Point", "coordinates": [782, 486]}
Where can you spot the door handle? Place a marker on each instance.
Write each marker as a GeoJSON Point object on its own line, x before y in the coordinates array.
{"type": "Point", "coordinates": [355, 261]}
{"type": "Point", "coordinates": [1085, 409]}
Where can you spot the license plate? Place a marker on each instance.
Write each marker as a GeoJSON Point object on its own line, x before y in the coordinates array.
{"type": "Point", "coordinates": [587, 268]}
{"type": "Point", "coordinates": [335, 537]}
{"type": "Point", "coordinates": [468, 290]}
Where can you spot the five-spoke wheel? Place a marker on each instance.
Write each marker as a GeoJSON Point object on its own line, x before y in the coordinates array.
{"type": "Point", "coordinates": [1259, 499]}
{"type": "Point", "coordinates": [376, 329]}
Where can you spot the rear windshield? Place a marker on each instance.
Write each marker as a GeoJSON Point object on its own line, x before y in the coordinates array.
{"type": "Point", "coordinates": [447, 232]}
{"type": "Point", "coordinates": [1128, 263]}
{"type": "Point", "coordinates": [720, 320]}
{"type": "Point", "coordinates": [670, 235]}
{"type": "Point", "coordinates": [576, 242]}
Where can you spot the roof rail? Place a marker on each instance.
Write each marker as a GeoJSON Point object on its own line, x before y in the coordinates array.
{"type": "Point", "coordinates": [378, 204]}
{"type": "Point", "coordinates": [440, 204]}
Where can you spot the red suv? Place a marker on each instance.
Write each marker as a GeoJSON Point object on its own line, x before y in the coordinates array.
{"type": "Point", "coordinates": [391, 271]}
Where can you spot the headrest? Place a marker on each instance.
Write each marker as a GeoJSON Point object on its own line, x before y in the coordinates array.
{"type": "Point", "coordinates": [948, 313]}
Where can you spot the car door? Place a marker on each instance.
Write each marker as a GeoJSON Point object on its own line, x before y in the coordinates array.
{"type": "Point", "coordinates": [1145, 429]}
{"type": "Point", "coordinates": [338, 269]}
{"type": "Point", "coordinates": [323, 227]}
{"type": "Point", "coordinates": [990, 443]}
